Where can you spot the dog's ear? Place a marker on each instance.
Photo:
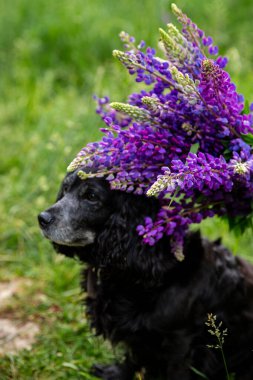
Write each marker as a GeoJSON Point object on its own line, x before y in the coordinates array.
{"type": "Point", "coordinates": [119, 232]}
{"type": "Point", "coordinates": [119, 244]}
{"type": "Point", "coordinates": [159, 264]}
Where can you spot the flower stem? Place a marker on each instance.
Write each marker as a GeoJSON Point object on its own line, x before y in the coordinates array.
{"type": "Point", "coordinates": [224, 361]}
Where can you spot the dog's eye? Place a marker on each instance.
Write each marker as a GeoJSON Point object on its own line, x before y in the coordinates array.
{"type": "Point", "coordinates": [90, 196]}
{"type": "Point", "coordinates": [65, 188]}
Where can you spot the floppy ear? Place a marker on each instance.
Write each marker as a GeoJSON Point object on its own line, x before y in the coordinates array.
{"type": "Point", "coordinates": [120, 246]}
{"type": "Point", "coordinates": [158, 264]}
{"type": "Point", "coordinates": [119, 233]}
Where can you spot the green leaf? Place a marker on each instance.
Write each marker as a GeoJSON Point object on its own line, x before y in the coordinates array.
{"type": "Point", "coordinates": [200, 374]}
{"type": "Point", "coordinates": [246, 107]}
{"type": "Point", "coordinates": [70, 365]}
{"type": "Point", "coordinates": [248, 138]}
{"type": "Point", "coordinates": [239, 224]}
{"type": "Point", "coordinates": [227, 154]}
{"type": "Point", "coordinates": [194, 148]}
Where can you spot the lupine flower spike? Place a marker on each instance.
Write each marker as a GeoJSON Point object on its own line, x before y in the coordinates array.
{"type": "Point", "coordinates": [184, 138]}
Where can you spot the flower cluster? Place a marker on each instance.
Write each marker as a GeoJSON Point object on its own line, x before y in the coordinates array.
{"type": "Point", "coordinates": [215, 330]}
{"type": "Point", "coordinates": [185, 138]}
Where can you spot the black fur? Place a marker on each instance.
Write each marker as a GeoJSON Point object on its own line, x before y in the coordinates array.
{"type": "Point", "coordinates": [143, 297]}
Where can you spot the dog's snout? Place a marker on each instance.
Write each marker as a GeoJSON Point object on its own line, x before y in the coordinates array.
{"type": "Point", "coordinates": [45, 218]}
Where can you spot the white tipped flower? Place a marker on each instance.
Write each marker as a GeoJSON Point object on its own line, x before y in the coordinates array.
{"type": "Point", "coordinates": [151, 102]}
{"type": "Point", "coordinates": [177, 11]}
{"type": "Point", "coordinates": [124, 58]}
{"type": "Point", "coordinates": [174, 32]}
{"type": "Point", "coordinates": [178, 253]}
{"type": "Point", "coordinates": [170, 44]}
{"type": "Point", "coordinates": [75, 164]}
{"type": "Point", "coordinates": [241, 168]}
{"type": "Point", "coordinates": [173, 43]}
{"type": "Point", "coordinates": [81, 174]}
{"type": "Point", "coordinates": [162, 183]}
{"type": "Point", "coordinates": [134, 112]}
{"type": "Point", "coordinates": [183, 80]}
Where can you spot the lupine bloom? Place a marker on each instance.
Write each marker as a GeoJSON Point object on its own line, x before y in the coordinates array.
{"type": "Point", "coordinates": [183, 138]}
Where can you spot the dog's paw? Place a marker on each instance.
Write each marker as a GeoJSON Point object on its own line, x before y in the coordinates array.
{"type": "Point", "coordinates": [108, 372]}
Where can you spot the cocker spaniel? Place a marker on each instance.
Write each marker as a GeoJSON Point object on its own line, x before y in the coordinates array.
{"type": "Point", "coordinates": [141, 296]}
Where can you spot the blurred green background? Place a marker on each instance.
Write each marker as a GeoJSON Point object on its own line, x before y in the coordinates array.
{"type": "Point", "coordinates": [54, 55]}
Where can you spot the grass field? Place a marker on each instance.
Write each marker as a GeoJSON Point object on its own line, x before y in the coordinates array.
{"type": "Point", "coordinates": [53, 57]}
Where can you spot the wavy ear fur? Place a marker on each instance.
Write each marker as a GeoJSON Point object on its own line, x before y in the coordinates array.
{"type": "Point", "coordinates": [119, 245]}
{"type": "Point", "coordinates": [119, 236]}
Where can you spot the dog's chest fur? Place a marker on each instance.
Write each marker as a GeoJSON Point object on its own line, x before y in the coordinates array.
{"type": "Point", "coordinates": [115, 303]}
{"type": "Point", "coordinates": [123, 310]}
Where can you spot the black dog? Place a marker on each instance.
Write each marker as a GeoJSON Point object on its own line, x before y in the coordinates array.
{"type": "Point", "coordinates": [143, 297]}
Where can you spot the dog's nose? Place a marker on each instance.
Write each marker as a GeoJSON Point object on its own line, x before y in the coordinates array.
{"type": "Point", "coordinates": [45, 218]}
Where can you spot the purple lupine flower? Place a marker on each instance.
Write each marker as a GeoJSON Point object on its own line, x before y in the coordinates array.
{"type": "Point", "coordinates": [183, 138]}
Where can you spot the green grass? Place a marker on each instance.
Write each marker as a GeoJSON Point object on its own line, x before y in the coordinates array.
{"type": "Point", "coordinates": [53, 57]}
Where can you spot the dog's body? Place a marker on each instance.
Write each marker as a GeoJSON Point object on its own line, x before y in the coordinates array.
{"type": "Point", "coordinates": [143, 297]}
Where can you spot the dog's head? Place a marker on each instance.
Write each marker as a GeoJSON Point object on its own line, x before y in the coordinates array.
{"type": "Point", "coordinates": [98, 225]}
{"type": "Point", "coordinates": [81, 209]}
{"type": "Point", "coordinates": [87, 213]}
